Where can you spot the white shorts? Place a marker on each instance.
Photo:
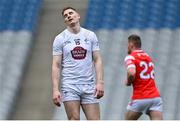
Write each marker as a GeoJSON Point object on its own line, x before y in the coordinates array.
{"type": "Point", "coordinates": [146, 105]}
{"type": "Point", "coordinates": [81, 92]}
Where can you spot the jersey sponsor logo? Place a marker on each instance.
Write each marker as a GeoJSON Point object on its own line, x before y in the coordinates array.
{"type": "Point", "coordinates": [78, 53]}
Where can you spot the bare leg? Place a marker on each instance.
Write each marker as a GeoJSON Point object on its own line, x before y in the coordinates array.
{"type": "Point", "coordinates": [92, 111]}
{"type": "Point", "coordinates": [72, 110]}
{"type": "Point", "coordinates": [131, 115]}
{"type": "Point", "coordinates": [155, 115]}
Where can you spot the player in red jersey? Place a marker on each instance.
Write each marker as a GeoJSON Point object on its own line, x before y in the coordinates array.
{"type": "Point", "coordinates": [140, 74]}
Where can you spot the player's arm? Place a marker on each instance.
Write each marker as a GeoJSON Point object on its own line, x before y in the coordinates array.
{"type": "Point", "coordinates": [56, 70]}
{"type": "Point", "coordinates": [131, 69]}
{"type": "Point", "coordinates": [99, 74]}
{"type": "Point", "coordinates": [131, 72]}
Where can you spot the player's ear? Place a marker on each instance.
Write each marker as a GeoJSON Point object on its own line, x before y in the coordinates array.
{"type": "Point", "coordinates": [78, 16]}
{"type": "Point", "coordinates": [132, 46]}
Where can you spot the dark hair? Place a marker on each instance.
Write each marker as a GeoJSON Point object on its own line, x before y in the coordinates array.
{"type": "Point", "coordinates": [135, 39]}
{"type": "Point", "coordinates": [66, 9]}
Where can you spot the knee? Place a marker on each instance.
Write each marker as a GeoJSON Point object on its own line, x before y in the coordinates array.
{"type": "Point", "coordinates": [74, 117]}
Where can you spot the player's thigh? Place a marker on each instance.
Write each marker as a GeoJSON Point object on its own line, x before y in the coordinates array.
{"type": "Point", "coordinates": [135, 109]}
{"type": "Point", "coordinates": [132, 115]}
{"type": "Point", "coordinates": [72, 109]}
{"type": "Point", "coordinates": [155, 111]}
{"type": "Point", "coordinates": [156, 115]}
{"type": "Point", "coordinates": [92, 111]}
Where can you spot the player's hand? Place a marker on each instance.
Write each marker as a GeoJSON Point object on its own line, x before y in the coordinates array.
{"type": "Point", "coordinates": [99, 91]}
{"type": "Point", "coordinates": [57, 98]}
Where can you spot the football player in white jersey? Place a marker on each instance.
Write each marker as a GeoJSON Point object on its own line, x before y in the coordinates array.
{"type": "Point", "coordinates": [77, 70]}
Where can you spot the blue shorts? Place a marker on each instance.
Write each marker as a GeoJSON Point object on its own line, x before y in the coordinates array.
{"type": "Point", "coordinates": [145, 105]}
{"type": "Point", "coordinates": [81, 92]}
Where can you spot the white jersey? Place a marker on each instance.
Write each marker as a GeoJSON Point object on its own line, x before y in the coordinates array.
{"type": "Point", "coordinates": [76, 50]}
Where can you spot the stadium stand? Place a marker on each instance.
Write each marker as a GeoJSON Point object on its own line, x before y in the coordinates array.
{"type": "Point", "coordinates": [158, 23]}
{"type": "Point", "coordinates": [18, 20]}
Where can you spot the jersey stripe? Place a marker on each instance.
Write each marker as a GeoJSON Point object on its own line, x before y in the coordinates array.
{"type": "Point", "coordinates": [129, 57]}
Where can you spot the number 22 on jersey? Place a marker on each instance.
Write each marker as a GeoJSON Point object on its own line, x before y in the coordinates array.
{"type": "Point", "coordinates": [145, 74]}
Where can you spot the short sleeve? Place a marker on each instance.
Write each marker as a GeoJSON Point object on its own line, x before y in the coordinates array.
{"type": "Point", "coordinates": [129, 62]}
{"type": "Point", "coordinates": [95, 42]}
{"type": "Point", "coordinates": [58, 46]}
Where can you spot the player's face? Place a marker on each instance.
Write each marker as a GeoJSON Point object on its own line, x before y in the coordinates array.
{"type": "Point", "coordinates": [130, 47]}
{"type": "Point", "coordinates": [71, 17]}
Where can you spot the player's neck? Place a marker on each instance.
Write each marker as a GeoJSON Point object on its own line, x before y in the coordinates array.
{"type": "Point", "coordinates": [74, 29]}
{"type": "Point", "coordinates": [137, 50]}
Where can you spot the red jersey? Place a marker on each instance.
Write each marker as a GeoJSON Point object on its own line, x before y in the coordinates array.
{"type": "Point", "coordinates": [144, 83]}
